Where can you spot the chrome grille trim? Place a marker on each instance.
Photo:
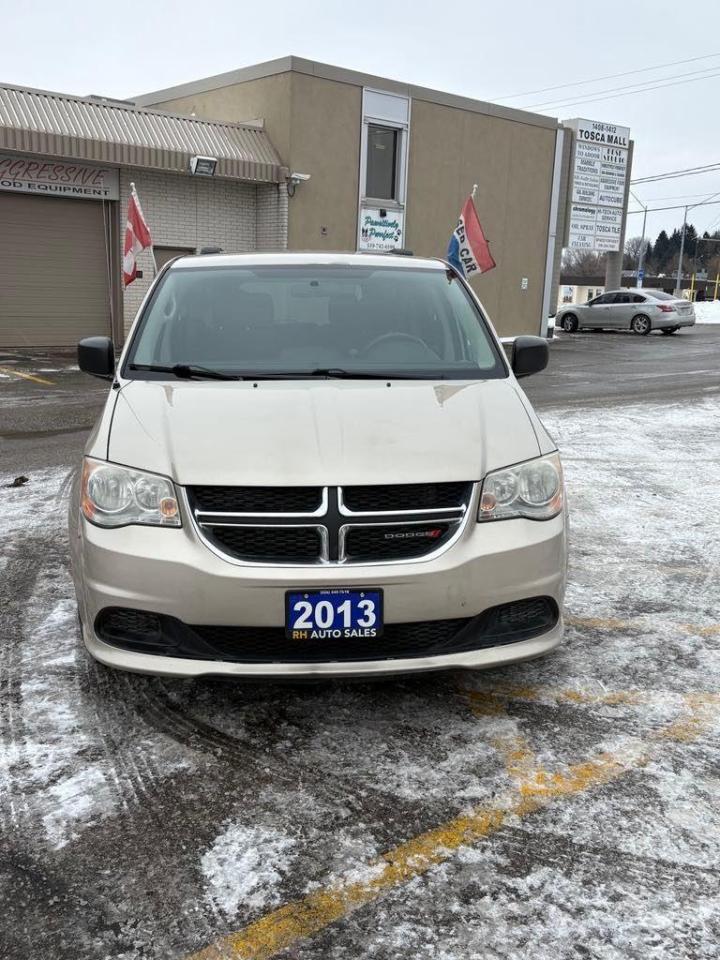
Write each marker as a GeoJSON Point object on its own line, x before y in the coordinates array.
{"type": "Point", "coordinates": [428, 511]}
{"type": "Point", "coordinates": [204, 521]}
{"type": "Point", "coordinates": [346, 528]}
{"type": "Point", "coordinates": [203, 516]}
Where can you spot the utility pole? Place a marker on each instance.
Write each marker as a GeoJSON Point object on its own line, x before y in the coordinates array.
{"type": "Point", "coordinates": [678, 281]}
{"type": "Point", "coordinates": [697, 247]}
{"type": "Point", "coordinates": [641, 256]}
{"type": "Point", "coordinates": [691, 206]}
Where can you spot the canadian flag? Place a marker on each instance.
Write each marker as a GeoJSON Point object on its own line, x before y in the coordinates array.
{"type": "Point", "coordinates": [137, 237]}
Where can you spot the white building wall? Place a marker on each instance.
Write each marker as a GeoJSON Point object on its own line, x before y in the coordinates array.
{"type": "Point", "coordinates": [572, 293]}
{"type": "Point", "coordinates": [194, 212]}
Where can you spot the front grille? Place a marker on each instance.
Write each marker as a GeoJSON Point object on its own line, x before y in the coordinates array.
{"type": "Point", "coordinates": [405, 496]}
{"type": "Point", "coordinates": [255, 499]}
{"type": "Point", "coordinates": [401, 542]}
{"type": "Point", "coordinates": [311, 525]}
{"type": "Point", "coordinates": [266, 544]}
{"type": "Point", "coordinates": [142, 631]}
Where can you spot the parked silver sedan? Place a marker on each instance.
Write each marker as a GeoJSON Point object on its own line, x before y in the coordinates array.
{"type": "Point", "coordinates": [638, 310]}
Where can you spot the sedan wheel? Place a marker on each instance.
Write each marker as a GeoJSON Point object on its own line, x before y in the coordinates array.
{"type": "Point", "coordinates": [668, 330]}
{"type": "Point", "coordinates": [640, 324]}
{"type": "Point", "coordinates": [569, 323]}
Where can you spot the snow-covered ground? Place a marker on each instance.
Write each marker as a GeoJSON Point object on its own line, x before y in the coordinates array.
{"type": "Point", "coordinates": [146, 819]}
{"type": "Point", "coordinates": [707, 311]}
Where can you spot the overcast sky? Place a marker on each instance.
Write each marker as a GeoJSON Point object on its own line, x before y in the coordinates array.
{"type": "Point", "coordinates": [483, 50]}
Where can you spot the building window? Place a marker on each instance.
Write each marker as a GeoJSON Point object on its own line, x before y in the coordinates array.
{"type": "Point", "coordinates": [382, 162]}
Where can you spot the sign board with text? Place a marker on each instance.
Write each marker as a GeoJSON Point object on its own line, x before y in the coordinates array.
{"type": "Point", "coordinates": [58, 178]}
{"type": "Point", "coordinates": [381, 229]}
{"type": "Point", "coordinates": [599, 174]}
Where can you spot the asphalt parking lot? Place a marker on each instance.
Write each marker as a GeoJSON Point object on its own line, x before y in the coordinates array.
{"type": "Point", "coordinates": [564, 808]}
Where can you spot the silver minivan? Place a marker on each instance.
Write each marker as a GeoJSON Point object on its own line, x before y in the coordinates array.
{"type": "Point", "coordinates": [316, 465]}
{"type": "Point", "coordinates": [633, 309]}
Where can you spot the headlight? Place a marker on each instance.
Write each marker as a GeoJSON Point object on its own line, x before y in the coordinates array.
{"type": "Point", "coordinates": [114, 496]}
{"type": "Point", "coordinates": [533, 489]}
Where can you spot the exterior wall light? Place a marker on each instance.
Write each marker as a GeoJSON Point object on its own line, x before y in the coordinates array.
{"type": "Point", "coordinates": [294, 179]}
{"type": "Point", "coordinates": [203, 166]}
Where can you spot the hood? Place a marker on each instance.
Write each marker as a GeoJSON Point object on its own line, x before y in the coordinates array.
{"type": "Point", "coordinates": [334, 432]}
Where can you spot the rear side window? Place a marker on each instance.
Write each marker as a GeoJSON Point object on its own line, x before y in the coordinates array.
{"type": "Point", "coordinates": [638, 299]}
{"type": "Point", "coordinates": [622, 298]}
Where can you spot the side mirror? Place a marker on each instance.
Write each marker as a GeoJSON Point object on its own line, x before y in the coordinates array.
{"type": "Point", "coordinates": [96, 355]}
{"type": "Point", "coordinates": [530, 355]}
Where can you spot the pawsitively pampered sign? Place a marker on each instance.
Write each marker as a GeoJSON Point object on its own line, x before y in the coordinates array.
{"type": "Point", "coordinates": [381, 229]}
{"type": "Point", "coordinates": [57, 178]}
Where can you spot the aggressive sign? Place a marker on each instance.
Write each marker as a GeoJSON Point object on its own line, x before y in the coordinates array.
{"type": "Point", "coordinates": [57, 178]}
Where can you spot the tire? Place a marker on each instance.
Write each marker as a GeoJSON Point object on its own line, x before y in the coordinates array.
{"type": "Point", "coordinates": [641, 325]}
{"type": "Point", "coordinates": [666, 331]}
{"type": "Point", "coordinates": [569, 323]}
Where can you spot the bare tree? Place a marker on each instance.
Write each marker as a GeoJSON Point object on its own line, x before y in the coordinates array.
{"type": "Point", "coordinates": [583, 262]}
{"type": "Point", "coordinates": [631, 253]}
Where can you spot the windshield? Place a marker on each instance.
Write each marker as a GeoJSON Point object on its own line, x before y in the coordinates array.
{"type": "Point", "coordinates": [289, 320]}
{"type": "Point", "coordinates": [661, 295]}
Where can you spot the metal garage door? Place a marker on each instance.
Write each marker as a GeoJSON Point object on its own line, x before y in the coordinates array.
{"type": "Point", "coordinates": [53, 271]}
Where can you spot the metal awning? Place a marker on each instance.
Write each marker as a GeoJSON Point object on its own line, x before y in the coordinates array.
{"type": "Point", "coordinates": [112, 132]}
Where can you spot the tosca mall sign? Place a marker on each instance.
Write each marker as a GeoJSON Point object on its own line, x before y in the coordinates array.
{"type": "Point", "coordinates": [57, 178]}
{"type": "Point", "coordinates": [599, 174]}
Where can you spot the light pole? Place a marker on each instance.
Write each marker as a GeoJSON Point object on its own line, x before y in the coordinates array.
{"type": "Point", "coordinates": [678, 281]}
{"type": "Point", "coordinates": [641, 256]}
{"type": "Point", "coordinates": [699, 241]}
{"type": "Point", "coordinates": [691, 206]}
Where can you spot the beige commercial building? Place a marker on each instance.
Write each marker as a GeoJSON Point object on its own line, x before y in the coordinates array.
{"type": "Point", "coordinates": [392, 164]}
{"type": "Point", "coordinates": [66, 165]}
{"type": "Point", "coordinates": [308, 156]}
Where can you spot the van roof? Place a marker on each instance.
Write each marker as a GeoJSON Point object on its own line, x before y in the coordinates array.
{"type": "Point", "coordinates": [283, 258]}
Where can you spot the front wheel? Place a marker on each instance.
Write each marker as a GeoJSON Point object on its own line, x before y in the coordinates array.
{"type": "Point", "coordinates": [641, 324]}
{"type": "Point", "coordinates": [569, 323]}
{"type": "Point", "coordinates": [668, 330]}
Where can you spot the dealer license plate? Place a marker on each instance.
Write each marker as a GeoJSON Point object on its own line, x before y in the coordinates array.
{"type": "Point", "coordinates": [333, 614]}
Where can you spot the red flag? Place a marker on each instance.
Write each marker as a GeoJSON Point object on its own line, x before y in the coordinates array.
{"type": "Point", "coordinates": [468, 250]}
{"type": "Point", "coordinates": [137, 237]}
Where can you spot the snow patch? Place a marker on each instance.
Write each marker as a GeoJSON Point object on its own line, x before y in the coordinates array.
{"type": "Point", "coordinates": [707, 311]}
{"type": "Point", "coordinates": [245, 867]}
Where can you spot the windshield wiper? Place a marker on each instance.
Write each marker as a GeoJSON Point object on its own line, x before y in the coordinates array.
{"type": "Point", "coordinates": [340, 374]}
{"type": "Point", "coordinates": [186, 371]}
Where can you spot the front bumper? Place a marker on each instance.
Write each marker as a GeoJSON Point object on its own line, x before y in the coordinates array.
{"type": "Point", "coordinates": [177, 667]}
{"type": "Point", "coordinates": [170, 571]}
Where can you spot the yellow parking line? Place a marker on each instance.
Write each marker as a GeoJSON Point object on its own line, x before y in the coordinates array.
{"type": "Point", "coordinates": [599, 623]}
{"type": "Point", "coordinates": [491, 702]}
{"type": "Point", "coordinates": [610, 623]}
{"type": "Point", "coordinates": [294, 922]}
{"type": "Point", "coordinates": [27, 376]}
{"type": "Point", "coordinates": [702, 707]}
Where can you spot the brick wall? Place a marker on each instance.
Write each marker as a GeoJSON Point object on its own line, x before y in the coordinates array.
{"type": "Point", "coordinates": [194, 212]}
{"type": "Point", "coordinates": [271, 230]}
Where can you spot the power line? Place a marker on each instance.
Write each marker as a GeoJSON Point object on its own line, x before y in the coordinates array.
{"type": "Point", "coordinates": [674, 174]}
{"type": "Point", "coordinates": [642, 85]}
{"type": "Point", "coordinates": [679, 206]}
{"type": "Point", "coordinates": [626, 92]}
{"type": "Point", "coordinates": [676, 196]}
{"type": "Point", "coordinates": [609, 76]}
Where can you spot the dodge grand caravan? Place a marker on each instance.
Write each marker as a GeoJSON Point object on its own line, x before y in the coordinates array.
{"type": "Point", "coordinates": [316, 465]}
